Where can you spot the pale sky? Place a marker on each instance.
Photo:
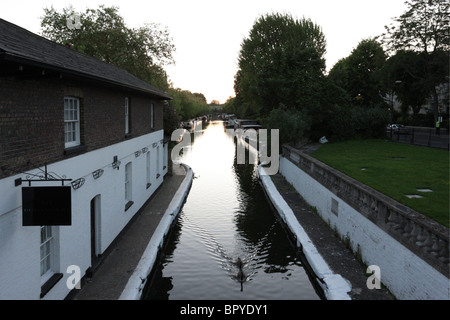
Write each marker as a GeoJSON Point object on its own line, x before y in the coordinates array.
{"type": "Point", "coordinates": [208, 34]}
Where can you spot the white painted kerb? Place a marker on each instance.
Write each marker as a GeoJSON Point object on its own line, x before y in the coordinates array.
{"type": "Point", "coordinates": [335, 287]}
{"type": "Point", "coordinates": [138, 279]}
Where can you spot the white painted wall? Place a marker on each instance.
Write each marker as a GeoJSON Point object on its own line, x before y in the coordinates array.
{"type": "Point", "coordinates": [405, 274]}
{"type": "Point", "coordinates": [19, 245]}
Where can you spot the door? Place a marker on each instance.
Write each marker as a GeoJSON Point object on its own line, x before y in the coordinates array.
{"type": "Point", "coordinates": [95, 231]}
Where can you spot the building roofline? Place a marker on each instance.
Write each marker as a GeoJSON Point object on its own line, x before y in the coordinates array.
{"type": "Point", "coordinates": [53, 56]}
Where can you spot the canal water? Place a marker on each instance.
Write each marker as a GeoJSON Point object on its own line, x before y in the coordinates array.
{"type": "Point", "coordinates": [227, 216]}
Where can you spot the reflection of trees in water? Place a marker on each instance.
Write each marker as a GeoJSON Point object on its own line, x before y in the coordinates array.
{"type": "Point", "coordinates": [255, 220]}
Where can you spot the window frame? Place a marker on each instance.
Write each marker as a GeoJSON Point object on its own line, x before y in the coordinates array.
{"type": "Point", "coordinates": [50, 276]}
{"type": "Point", "coordinates": [76, 122]}
{"type": "Point", "coordinates": [47, 243]}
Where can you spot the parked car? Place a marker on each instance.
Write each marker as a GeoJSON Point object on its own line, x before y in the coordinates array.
{"type": "Point", "coordinates": [397, 128]}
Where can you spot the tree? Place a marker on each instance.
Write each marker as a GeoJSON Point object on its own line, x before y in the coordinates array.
{"type": "Point", "coordinates": [360, 74]}
{"type": "Point", "coordinates": [171, 118]}
{"type": "Point", "coordinates": [424, 27]}
{"type": "Point", "coordinates": [281, 63]}
{"type": "Point", "coordinates": [291, 123]}
{"type": "Point", "coordinates": [338, 74]}
{"type": "Point", "coordinates": [188, 105]}
{"type": "Point", "coordinates": [407, 68]}
{"type": "Point", "coordinates": [103, 34]}
{"type": "Point", "coordinates": [230, 106]}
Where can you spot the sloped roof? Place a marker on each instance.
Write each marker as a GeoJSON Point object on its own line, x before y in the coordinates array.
{"type": "Point", "coordinates": [20, 45]}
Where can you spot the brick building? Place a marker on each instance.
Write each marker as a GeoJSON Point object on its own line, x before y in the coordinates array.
{"type": "Point", "coordinates": [80, 119]}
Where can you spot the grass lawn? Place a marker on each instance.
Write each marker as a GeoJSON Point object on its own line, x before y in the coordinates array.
{"type": "Point", "coordinates": [396, 170]}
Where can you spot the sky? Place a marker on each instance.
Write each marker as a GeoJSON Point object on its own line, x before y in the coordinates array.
{"type": "Point", "coordinates": [207, 34]}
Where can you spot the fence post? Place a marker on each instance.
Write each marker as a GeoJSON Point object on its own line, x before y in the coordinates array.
{"type": "Point", "coordinates": [429, 138]}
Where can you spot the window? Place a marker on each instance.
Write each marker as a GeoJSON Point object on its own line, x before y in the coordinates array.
{"type": "Point", "coordinates": [49, 259]}
{"type": "Point", "coordinates": [128, 183]}
{"type": "Point", "coordinates": [148, 171]}
{"type": "Point", "coordinates": [152, 116]}
{"type": "Point", "coordinates": [47, 248]}
{"type": "Point", "coordinates": [71, 122]}
{"type": "Point", "coordinates": [127, 116]}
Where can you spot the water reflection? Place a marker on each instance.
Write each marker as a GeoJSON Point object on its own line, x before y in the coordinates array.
{"type": "Point", "coordinates": [226, 217]}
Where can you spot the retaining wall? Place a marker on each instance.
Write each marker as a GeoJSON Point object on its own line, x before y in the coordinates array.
{"type": "Point", "coordinates": [411, 250]}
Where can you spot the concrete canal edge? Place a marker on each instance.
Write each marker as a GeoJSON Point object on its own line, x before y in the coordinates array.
{"type": "Point", "coordinates": [138, 279]}
{"type": "Point", "coordinates": [334, 286]}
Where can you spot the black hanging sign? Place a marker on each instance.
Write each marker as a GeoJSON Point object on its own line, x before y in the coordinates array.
{"type": "Point", "coordinates": [47, 206]}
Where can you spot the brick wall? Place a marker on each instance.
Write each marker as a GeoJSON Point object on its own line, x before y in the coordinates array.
{"type": "Point", "coordinates": [32, 120]}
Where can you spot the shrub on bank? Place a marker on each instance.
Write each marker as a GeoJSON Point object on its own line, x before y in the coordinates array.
{"type": "Point", "coordinates": [347, 123]}
{"type": "Point", "coordinates": [292, 124]}
{"type": "Point", "coordinates": [339, 123]}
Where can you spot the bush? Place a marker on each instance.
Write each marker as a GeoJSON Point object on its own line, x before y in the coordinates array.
{"type": "Point", "coordinates": [372, 122]}
{"type": "Point", "coordinates": [292, 124]}
{"type": "Point", "coordinates": [346, 123]}
{"type": "Point", "coordinates": [337, 124]}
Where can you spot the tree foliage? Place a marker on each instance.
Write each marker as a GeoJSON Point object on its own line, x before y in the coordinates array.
{"type": "Point", "coordinates": [103, 34]}
{"type": "Point", "coordinates": [292, 124]}
{"type": "Point", "coordinates": [171, 120]}
{"type": "Point", "coordinates": [354, 122]}
{"type": "Point", "coordinates": [424, 27]}
{"type": "Point", "coordinates": [188, 105]}
{"type": "Point", "coordinates": [360, 74]}
{"type": "Point", "coordinates": [407, 69]}
{"type": "Point", "coordinates": [280, 64]}
{"type": "Point", "coordinates": [144, 52]}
